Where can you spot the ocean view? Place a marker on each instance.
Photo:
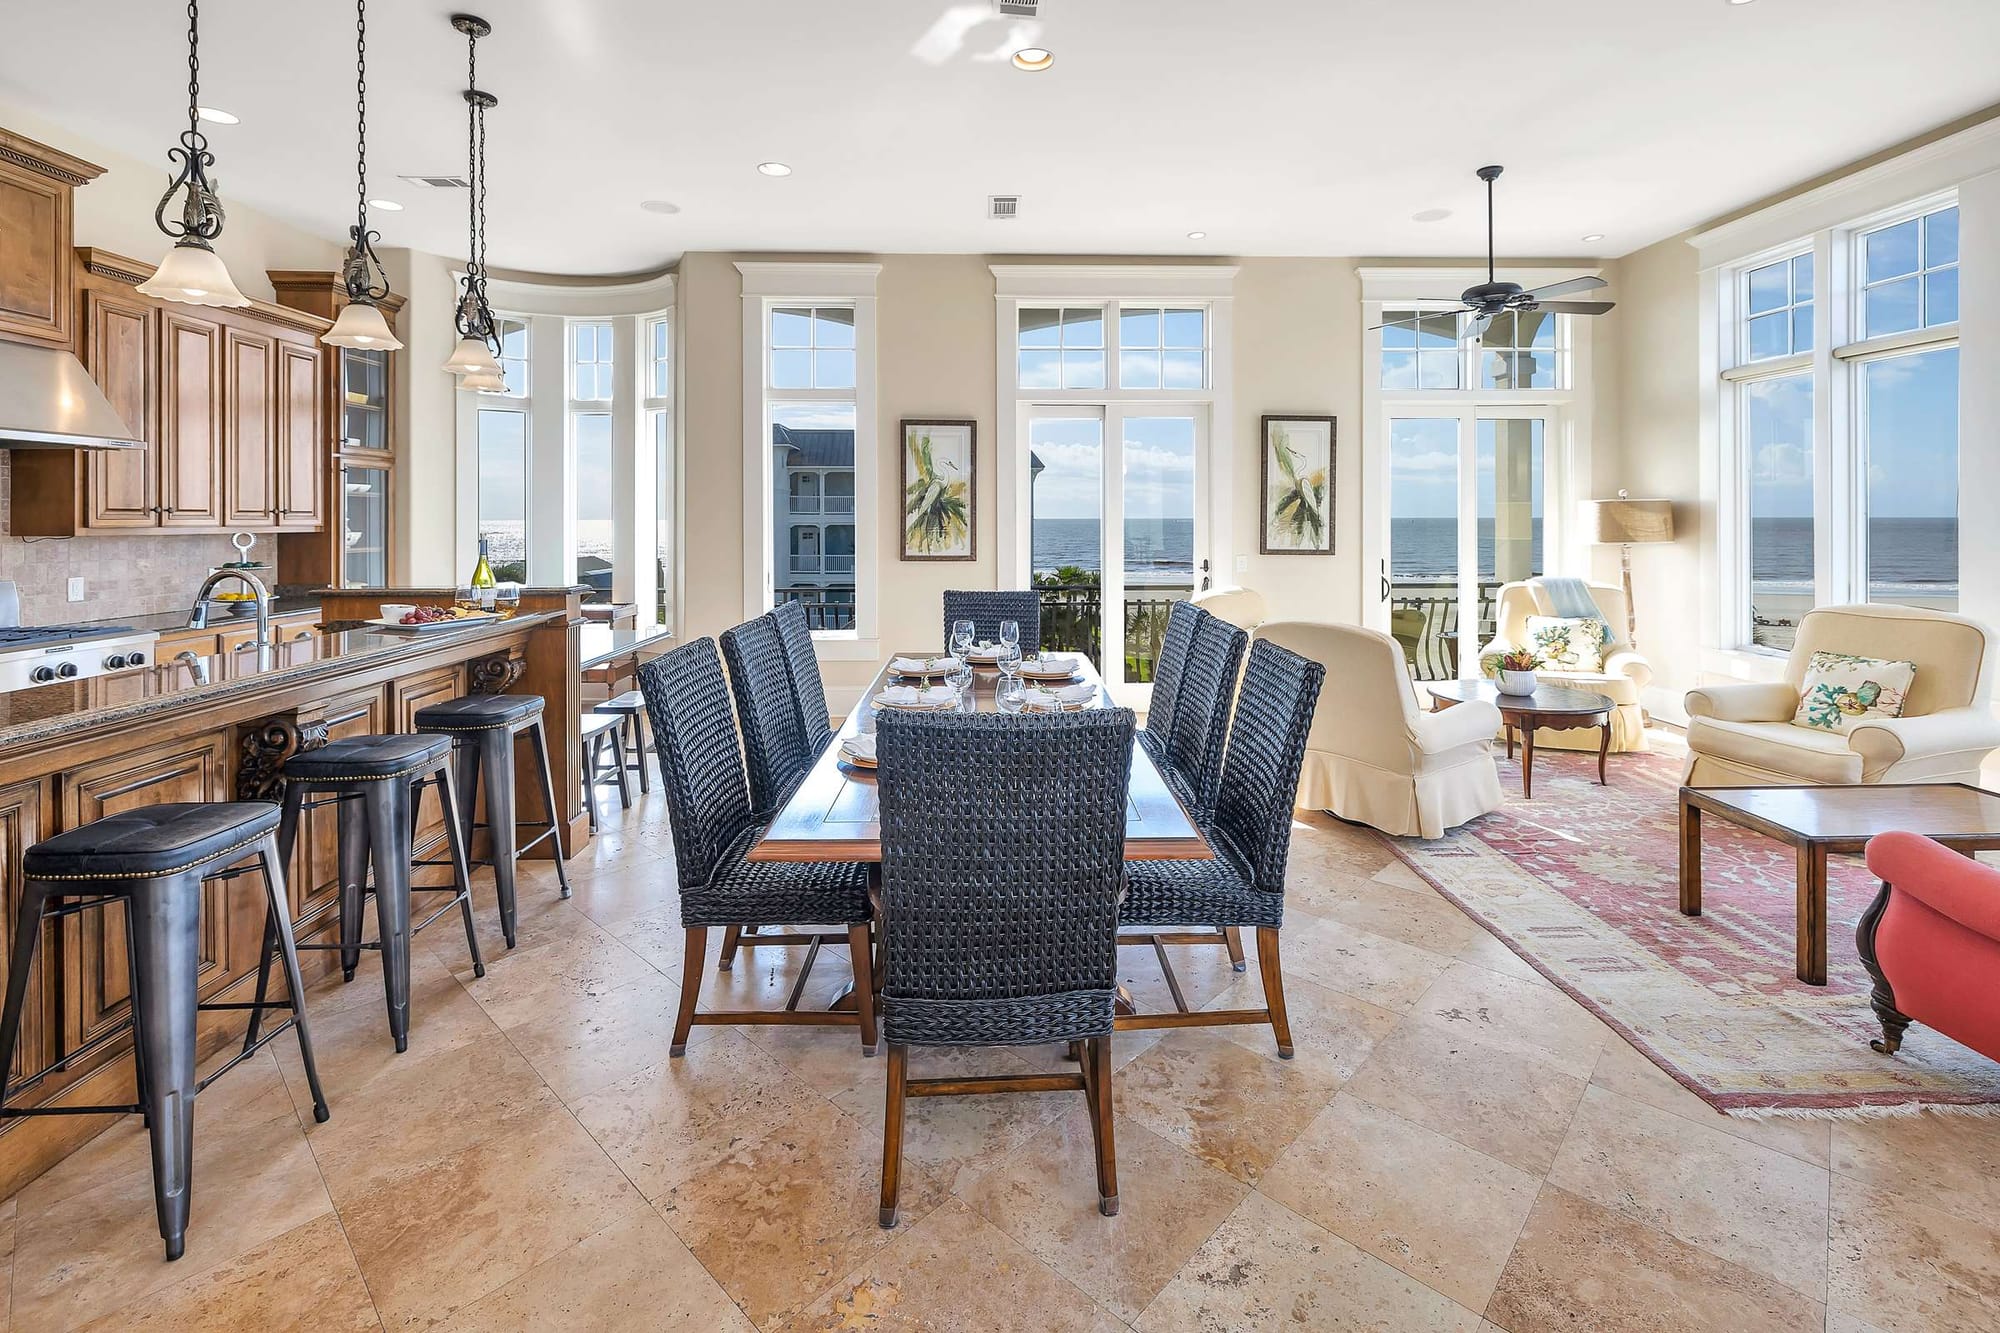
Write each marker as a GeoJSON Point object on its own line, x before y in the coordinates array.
{"type": "Point", "coordinates": [1157, 551]}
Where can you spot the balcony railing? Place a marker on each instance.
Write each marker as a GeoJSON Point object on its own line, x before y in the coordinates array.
{"type": "Point", "coordinates": [805, 564]}
{"type": "Point", "coordinates": [826, 608]}
{"type": "Point", "coordinates": [838, 564]}
{"type": "Point", "coordinates": [1073, 621]}
{"type": "Point", "coordinates": [1423, 617]}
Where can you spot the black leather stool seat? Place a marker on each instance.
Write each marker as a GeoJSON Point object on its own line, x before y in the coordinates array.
{"type": "Point", "coordinates": [479, 712]}
{"type": "Point", "coordinates": [629, 702]}
{"type": "Point", "coordinates": [155, 841]}
{"type": "Point", "coordinates": [368, 759]}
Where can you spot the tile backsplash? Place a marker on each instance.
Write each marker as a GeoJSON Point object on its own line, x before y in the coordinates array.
{"type": "Point", "coordinates": [123, 576]}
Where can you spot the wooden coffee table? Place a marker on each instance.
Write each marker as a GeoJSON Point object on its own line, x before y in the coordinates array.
{"type": "Point", "coordinates": [1818, 821]}
{"type": "Point", "coordinates": [1551, 706]}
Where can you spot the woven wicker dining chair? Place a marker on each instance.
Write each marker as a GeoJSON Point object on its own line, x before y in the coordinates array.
{"type": "Point", "coordinates": [708, 808]}
{"type": "Point", "coordinates": [1175, 644]}
{"type": "Point", "coordinates": [1003, 843]}
{"type": "Point", "coordinates": [802, 670]}
{"type": "Point", "coordinates": [774, 740]}
{"type": "Point", "coordinates": [987, 608]}
{"type": "Point", "coordinates": [1201, 712]}
{"type": "Point", "coordinates": [1251, 834]}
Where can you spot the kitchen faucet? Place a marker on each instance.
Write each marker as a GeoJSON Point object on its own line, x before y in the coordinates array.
{"type": "Point", "coordinates": [198, 618]}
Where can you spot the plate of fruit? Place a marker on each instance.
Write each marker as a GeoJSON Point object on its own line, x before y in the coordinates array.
{"type": "Point", "coordinates": [433, 617]}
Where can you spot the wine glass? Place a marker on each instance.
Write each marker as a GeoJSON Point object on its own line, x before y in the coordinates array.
{"type": "Point", "coordinates": [507, 598]}
{"type": "Point", "coordinates": [1010, 637]}
{"type": "Point", "coordinates": [1010, 666]}
{"type": "Point", "coordinates": [961, 638]}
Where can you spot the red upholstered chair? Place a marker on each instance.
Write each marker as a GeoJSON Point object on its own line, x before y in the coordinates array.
{"type": "Point", "coordinates": [1931, 941]}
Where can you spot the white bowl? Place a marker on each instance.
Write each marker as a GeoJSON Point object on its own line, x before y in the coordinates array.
{"type": "Point", "coordinates": [397, 610]}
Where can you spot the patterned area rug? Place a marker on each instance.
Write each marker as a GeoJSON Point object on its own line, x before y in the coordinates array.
{"type": "Point", "coordinates": [1581, 882]}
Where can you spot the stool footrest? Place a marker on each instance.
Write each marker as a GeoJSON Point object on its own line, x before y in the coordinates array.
{"type": "Point", "coordinates": [10, 1112]}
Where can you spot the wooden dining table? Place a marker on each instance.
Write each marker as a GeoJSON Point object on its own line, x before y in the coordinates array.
{"type": "Point", "coordinates": [835, 815]}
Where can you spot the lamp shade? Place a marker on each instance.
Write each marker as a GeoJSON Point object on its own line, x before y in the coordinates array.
{"type": "Point", "coordinates": [472, 356]}
{"type": "Point", "coordinates": [193, 274]}
{"type": "Point", "coordinates": [361, 325]}
{"type": "Point", "coordinates": [483, 381]}
{"type": "Point", "coordinates": [1626, 521]}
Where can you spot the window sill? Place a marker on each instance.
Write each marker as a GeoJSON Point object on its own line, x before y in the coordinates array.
{"type": "Point", "coordinates": [1745, 664]}
{"type": "Point", "coordinates": [845, 646]}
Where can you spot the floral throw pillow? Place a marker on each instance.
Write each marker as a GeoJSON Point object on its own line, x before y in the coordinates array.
{"type": "Point", "coordinates": [1567, 645]}
{"type": "Point", "coordinates": [1841, 689]}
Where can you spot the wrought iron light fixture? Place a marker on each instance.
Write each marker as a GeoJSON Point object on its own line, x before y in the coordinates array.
{"type": "Point", "coordinates": [192, 273]}
{"type": "Point", "coordinates": [361, 323]}
{"type": "Point", "coordinates": [477, 353]}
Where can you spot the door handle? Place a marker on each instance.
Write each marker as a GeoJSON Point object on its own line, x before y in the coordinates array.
{"type": "Point", "coordinates": [1206, 582]}
{"type": "Point", "coordinates": [1385, 580]}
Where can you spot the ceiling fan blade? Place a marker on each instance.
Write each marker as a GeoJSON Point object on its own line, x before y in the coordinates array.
{"type": "Point", "coordinates": [1575, 307]}
{"type": "Point", "coordinates": [1415, 315]}
{"type": "Point", "coordinates": [1476, 328]}
{"type": "Point", "coordinates": [1566, 287]}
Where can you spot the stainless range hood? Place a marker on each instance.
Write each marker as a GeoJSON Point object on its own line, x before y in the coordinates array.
{"type": "Point", "coordinates": [49, 401]}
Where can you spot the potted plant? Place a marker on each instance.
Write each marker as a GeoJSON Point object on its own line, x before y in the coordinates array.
{"type": "Point", "coordinates": [1516, 669]}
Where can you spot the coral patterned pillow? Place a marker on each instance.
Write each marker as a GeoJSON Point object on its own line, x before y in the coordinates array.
{"type": "Point", "coordinates": [1841, 689]}
{"type": "Point", "coordinates": [1567, 645]}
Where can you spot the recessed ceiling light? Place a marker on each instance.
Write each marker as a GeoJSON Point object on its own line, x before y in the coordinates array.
{"type": "Point", "coordinates": [1197, 235]}
{"type": "Point", "coordinates": [386, 205]}
{"type": "Point", "coordinates": [1034, 58]}
{"type": "Point", "coordinates": [215, 116]}
{"type": "Point", "coordinates": [658, 206]}
{"type": "Point", "coordinates": [1594, 236]}
{"type": "Point", "coordinates": [1739, 2]}
{"type": "Point", "coordinates": [774, 169]}
{"type": "Point", "coordinates": [1431, 215]}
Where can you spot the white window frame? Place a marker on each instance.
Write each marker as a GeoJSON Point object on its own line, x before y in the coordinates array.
{"type": "Point", "coordinates": [547, 308]}
{"type": "Point", "coordinates": [1210, 287]}
{"type": "Point", "coordinates": [658, 403]}
{"type": "Point", "coordinates": [1566, 443]}
{"type": "Point", "coordinates": [766, 287]}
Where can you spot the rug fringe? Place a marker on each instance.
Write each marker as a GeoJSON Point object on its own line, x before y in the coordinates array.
{"type": "Point", "coordinates": [1902, 1109]}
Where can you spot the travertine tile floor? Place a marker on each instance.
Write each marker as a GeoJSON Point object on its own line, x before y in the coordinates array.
{"type": "Point", "coordinates": [1457, 1146]}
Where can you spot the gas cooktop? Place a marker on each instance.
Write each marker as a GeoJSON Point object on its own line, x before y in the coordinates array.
{"type": "Point", "coordinates": [27, 636]}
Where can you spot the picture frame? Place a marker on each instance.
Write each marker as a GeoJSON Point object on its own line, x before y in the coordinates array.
{"type": "Point", "coordinates": [1295, 491]}
{"type": "Point", "coordinates": [938, 506]}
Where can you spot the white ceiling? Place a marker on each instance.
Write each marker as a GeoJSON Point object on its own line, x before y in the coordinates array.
{"type": "Point", "coordinates": [1278, 127]}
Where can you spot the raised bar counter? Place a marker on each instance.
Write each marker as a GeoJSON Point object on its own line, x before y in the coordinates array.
{"type": "Point", "coordinates": [219, 728]}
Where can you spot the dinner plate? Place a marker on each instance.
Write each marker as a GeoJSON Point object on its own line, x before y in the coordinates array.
{"type": "Point", "coordinates": [879, 702]}
{"type": "Point", "coordinates": [933, 673]}
{"type": "Point", "coordinates": [476, 618]}
{"type": "Point", "coordinates": [1077, 707]}
{"type": "Point", "coordinates": [1044, 673]}
{"type": "Point", "coordinates": [858, 761]}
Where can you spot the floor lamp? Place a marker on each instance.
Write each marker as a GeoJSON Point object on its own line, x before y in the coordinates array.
{"type": "Point", "coordinates": [1624, 523]}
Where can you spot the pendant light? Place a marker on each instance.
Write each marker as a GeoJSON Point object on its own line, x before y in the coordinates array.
{"type": "Point", "coordinates": [361, 323]}
{"type": "Point", "coordinates": [192, 273]}
{"type": "Point", "coordinates": [477, 353]}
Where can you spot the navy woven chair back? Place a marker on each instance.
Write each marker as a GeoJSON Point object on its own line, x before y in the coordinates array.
{"type": "Point", "coordinates": [802, 669]}
{"type": "Point", "coordinates": [1201, 710]}
{"type": "Point", "coordinates": [1003, 843]}
{"type": "Point", "coordinates": [774, 742]}
{"type": "Point", "coordinates": [1267, 747]}
{"type": "Point", "coordinates": [694, 734]}
{"type": "Point", "coordinates": [1175, 645]}
{"type": "Point", "coordinates": [987, 609]}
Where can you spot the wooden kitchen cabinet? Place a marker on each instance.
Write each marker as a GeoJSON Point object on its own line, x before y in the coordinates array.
{"type": "Point", "coordinates": [191, 434]}
{"type": "Point", "coordinates": [24, 821]}
{"type": "Point", "coordinates": [300, 450]}
{"type": "Point", "coordinates": [37, 282]}
{"type": "Point", "coordinates": [249, 430]}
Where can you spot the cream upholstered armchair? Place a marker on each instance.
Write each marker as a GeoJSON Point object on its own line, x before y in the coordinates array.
{"type": "Point", "coordinates": [1241, 607]}
{"type": "Point", "coordinates": [1626, 672]}
{"type": "Point", "coordinates": [1374, 755]}
{"type": "Point", "coordinates": [1743, 736]}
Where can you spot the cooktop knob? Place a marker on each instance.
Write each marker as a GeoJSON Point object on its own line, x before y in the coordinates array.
{"type": "Point", "coordinates": [135, 659]}
{"type": "Point", "coordinates": [42, 675]}
{"type": "Point", "coordinates": [67, 670]}
{"type": "Point", "coordinates": [115, 662]}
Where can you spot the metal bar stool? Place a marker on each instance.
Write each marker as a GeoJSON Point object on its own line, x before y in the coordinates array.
{"type": "Point", "coordinates": [482, 728]}
{"type": "Point", "coordinates": [630, 707]}
{"type": "Point", "coordinates": [600, 730]}
{"type": "Point", "coordinates": [154, 861]}
{"type": "Point", "coordinates": [377, 783]}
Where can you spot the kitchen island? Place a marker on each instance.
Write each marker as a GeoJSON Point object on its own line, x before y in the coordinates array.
{"type": "Point", "coordinates": [219, 728]}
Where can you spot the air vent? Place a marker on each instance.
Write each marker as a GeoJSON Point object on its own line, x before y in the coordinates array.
{"type": "Point", "coordinates": [1017, 9]}
{"type": "Point", "coordinates": [439, 182]}
{"type": "Point", "coordinates": [1003, 207]}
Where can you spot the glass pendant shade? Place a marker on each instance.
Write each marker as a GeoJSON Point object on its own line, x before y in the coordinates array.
{"type": "Point", "coordinates": [361, 325]}
{"type": "Point", "coordinates": [472, 356]}
{"type": "Point", "coordinates": [483, 381]}
{"type": "Point", "coordinates": [193, 274]}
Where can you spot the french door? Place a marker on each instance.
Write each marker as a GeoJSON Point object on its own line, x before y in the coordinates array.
{"type": "Point", "coordinates": [1465, 513]}
{"type": "Point", "coordinates": [1118, 528]}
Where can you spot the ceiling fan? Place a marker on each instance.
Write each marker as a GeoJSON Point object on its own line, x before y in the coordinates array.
{"type": "Point", "coordinates": [1488, 300]}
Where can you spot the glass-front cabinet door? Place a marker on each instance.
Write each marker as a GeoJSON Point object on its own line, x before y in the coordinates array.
{"type": "Point", "coordinates": [364, 399]}
{"type": "Point", "coordinates": [364, 528]}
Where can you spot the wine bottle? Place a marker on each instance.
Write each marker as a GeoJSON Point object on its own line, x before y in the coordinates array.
{"type": "Point", "coordinates": [484, 586]}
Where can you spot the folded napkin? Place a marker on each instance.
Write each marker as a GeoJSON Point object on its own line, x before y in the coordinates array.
{"type": "Point", "coordinates": [924, 666]}
{"type": "Point", "coordinates": [983, 649]}
{"type": "Point", "coordinates": [860, 746]}
{"type": "Point", "coordinates": [910, 696]}
{"type": "Point", "coordinates": [1049, 662]}
{"type": "Point", "coordinates": [1063, 698]}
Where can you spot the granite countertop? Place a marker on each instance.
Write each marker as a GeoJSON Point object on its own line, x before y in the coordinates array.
{"type": "Point", "coordinates": [166, 622]}
{"type": "Point", "coordinates": [63, 707]}
{"type": "Point", "coordinates": [601, 643]}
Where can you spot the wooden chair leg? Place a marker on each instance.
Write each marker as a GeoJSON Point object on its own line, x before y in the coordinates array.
{"type": "Point", "coordinates": [1274, 989]}
{"type": "Point", "coordinates": [892, 1130]}
{"type": "Point", "coordinates": [1098, 1087]}
{"type": "Point", "coordinates": [859, 950]}
{"type": "Point", "coordinates": [692, 961]}
{"type": "Point", "coordinates": [731, 936]}
{"type": "Point", "coordinates": [1232, 936]}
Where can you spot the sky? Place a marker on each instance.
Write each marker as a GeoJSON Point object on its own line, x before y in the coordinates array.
{"type": "Point", "coordinates": [1909, 420]}
{"type": "Point", "coordinates": [1159, 467]}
